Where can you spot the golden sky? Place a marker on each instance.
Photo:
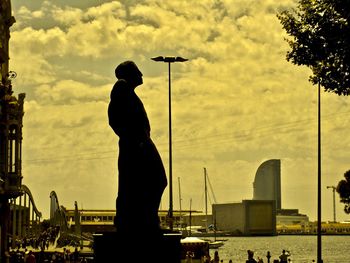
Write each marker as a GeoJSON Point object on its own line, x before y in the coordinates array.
{"type": "Point", "coordinates": [235, 104]}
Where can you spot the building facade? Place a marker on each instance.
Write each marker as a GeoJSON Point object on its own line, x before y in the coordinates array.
{"type": "Point", "coordinates": [11, 116]}
{"type": "Point", "coordinates": [6, 21]}
{"type": "Point", "coordinates": [102, 220]}
{"type": "Point", "coordinates": [249, 218]}
{"type": "Point", "coordinates": [267, 182]}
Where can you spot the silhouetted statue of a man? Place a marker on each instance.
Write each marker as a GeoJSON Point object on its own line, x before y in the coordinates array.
{"type": "Point", "coordinates": [142, 178]}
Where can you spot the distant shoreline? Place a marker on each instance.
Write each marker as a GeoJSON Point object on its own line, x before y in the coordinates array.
{"type": "Point", "coordinates": [221, 236]}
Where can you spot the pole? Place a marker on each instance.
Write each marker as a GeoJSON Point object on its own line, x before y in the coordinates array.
{"type": "Point", "coordinates": [170, 60]}
{"type": "Point", "coordinates": [334, 216]}
{"type": "Point", "coordinates": [319, 220]}
{"type": "Point", "coordinates": [180, 202]}
{"type": "Point", "coordinates": [334, 213]}
{"type": "Point", "coordinates": [206, 199]}
{"type": "Point", "coordinates": [190, 217]}
{"type": "Point", "coordinates": [14, 223]}
{"type": "Point", "coordinates": [170, 214]}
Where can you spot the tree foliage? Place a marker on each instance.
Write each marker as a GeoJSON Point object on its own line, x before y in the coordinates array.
{"type": "Point", "coordinates": [343, 189]}
{"type": "Point", "coordinates": [320, 39]}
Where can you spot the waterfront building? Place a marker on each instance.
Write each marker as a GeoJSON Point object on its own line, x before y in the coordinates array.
{"type": "Point", "coordinates": [250, 217]}
{"type": "Point", "coordinates": [102, 220]}
{"type": "Point", "coordinates": [267, 186]}
{"type": "Point", "coordinates": [310, 228]}
{"type": "Point", "coordinates": [291, 217]}
{"type": "Point", "coordinates": [267, 182]}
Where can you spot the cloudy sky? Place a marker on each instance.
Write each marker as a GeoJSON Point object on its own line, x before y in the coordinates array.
{"type": "Point", "coordinates": [236, 103]}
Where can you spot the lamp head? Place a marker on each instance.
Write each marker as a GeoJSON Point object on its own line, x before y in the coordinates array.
{"type": "Point", "coordinates": [180, 59]}
{"type": "Point", "coordinates": [159, 58]}
{"type": "Point", "coordinates": [169, 59]}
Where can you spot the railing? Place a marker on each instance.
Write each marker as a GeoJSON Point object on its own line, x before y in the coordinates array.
{"type": "Point", "coordinates": [57, 213]}
{"type": "Point", "coordinates": [25, 216]}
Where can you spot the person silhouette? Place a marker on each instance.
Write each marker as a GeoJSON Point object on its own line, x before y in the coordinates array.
{"type": "Point", "coordinates": [141, 174]}
{"type": "Point", "coordinates": [250, 257]}
{"type": "Point", "coordinates": [284, 256]}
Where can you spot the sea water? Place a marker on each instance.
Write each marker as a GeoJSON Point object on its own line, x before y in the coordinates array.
{"type": "Point", "coordinates": [335, 249]}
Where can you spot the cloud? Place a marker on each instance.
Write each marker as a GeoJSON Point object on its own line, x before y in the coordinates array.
{"type": "Point", "coordinates": [67, 16]}
{"type": "Point", "coordinates": [235, 103]}
{"type": "Point", "coordinates": [70, 92]}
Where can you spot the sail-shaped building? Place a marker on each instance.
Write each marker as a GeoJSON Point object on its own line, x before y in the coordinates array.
{"type": "Point", "coordinates": [267, 182]}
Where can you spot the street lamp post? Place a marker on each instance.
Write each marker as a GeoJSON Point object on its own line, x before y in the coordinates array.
{"type": "Point", "coordinates": [319, 180]}
{"type": "Point", "coordinates": [170, 60]}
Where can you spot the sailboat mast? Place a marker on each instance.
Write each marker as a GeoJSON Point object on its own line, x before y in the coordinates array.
{"type": "Point", "coordinates": [206, 199]}
{"type": "Point", "coordinates": [180, 202]}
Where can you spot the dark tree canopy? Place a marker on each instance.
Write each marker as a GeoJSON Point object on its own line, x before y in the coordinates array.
{"type": "Point", "coordinates": [343, 189]}
{"type": "Point", "coordinates": [320, 39]}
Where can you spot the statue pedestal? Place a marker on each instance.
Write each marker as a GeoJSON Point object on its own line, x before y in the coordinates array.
{"type": "Point", "coordinates": [111, 247]}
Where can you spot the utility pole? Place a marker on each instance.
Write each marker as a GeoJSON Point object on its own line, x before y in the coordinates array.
{"type": "Point", "coordinates": [333, 188]}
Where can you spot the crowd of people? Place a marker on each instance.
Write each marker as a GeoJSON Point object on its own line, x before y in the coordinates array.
{"type": "Point", "coordinates": [41, 241]}
{"type": "Point", "coordinates": [28, 256]}
{"type": "Point", "coordinates": [283, 258]}
{"type": "Point", "coordinates": [35, 249]}
{"type": "Point", "coordinates": [49, 246]}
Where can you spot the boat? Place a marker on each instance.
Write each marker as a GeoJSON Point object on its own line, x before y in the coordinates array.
{"type": "Point", "coordinates": [195, 248]}
{"type": "Point", "coordinates": [213, 244]}
{"type": "Point", "coordinates": [200, 231]}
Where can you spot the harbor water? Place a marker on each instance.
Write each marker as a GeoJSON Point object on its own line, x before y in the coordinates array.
{"type": "Point", "coordinates": [335, 249]}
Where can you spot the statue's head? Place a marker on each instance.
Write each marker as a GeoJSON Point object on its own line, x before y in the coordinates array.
{"type": "Point", "coordinates": [128, 71]}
